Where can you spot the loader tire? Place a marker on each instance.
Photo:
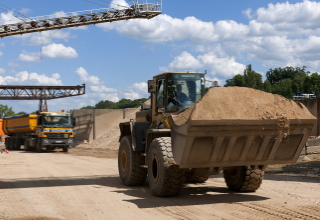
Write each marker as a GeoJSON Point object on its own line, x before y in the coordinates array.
{"type": "Point", "coordinates": [191, 178]}
{"type": "Point", "coordinates": [130, 164]}
{"type": "Point", "coordinates": [243, 179]}
{"type": "Point", "coordinates": [164, 175]}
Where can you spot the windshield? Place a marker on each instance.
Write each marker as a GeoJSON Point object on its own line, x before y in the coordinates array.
{"type": "Point", "coordinates": [183, 90]}
{"type": "Point", "coordinates": [57, 121]}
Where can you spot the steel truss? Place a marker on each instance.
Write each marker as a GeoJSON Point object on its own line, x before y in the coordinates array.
{"type": "Point", "coordinates": [39, 92]}
{"type": "Point", "coordinates": [146, 11]}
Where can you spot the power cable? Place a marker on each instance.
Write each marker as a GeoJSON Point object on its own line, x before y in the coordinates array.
{"type": "Point", "coordinates": [115, 4]}
{"type": "Point", "coordinates": [95, 3]}
{"type": "Point", "coordinates": [12, 14]}
{"type": "Point", "coordinates": [16, 11]}
{"type": "Point", "coordinates": [106, 2]}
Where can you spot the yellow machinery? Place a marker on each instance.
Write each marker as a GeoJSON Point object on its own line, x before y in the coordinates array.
{"type": "Point", "coordinates": [48, 130]}
{"type": "Point", "coordinates": [155, 146]}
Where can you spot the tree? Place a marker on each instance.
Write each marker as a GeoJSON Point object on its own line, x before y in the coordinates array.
{"type": "Point", "coordinates": [87, 107]}
{"type": "Point", "coordinates": [104, 104]}
{"type": "Point", "coordinates": [6, 111]}
{"type": "Point", "coordinates": [237, 80]}
{"type": "Point", "coordinates": [21, 113]}
{"type": "Point", "coordinates": [283, 88]}
{"type": "Point", "coordinates": [252, 79]}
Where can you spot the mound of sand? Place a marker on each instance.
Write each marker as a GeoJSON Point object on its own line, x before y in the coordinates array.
{"type": "Point", "coordinates": [243, 103]}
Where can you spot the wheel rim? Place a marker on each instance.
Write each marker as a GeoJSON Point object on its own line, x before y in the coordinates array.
{"type": "Point", "coordinates": [124, 161]}
{"type": "Point", "coordinates": [154, 169]}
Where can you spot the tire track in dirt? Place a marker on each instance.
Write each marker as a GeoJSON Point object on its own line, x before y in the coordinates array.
{"type": "Point", "coordinates": [278, 212]}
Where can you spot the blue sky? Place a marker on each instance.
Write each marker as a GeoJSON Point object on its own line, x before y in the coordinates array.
{"type": "Point", "coordinates": [116, 60]}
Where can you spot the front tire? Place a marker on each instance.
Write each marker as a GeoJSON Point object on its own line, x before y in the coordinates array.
{"type": "Point", "coordinates": [164, 175]}
{"type": "Point", "coordinates": [130, 164]}
{"type": "Point", "coordinates": [65, 148]}
{"type": "Point", "coordinates": [243, 179]}
{"type": "Point", "coordinates": [39, 146]}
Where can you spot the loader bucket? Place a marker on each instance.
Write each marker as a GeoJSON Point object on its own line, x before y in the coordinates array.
{"type": "Point", "coordinates": [225, 143]}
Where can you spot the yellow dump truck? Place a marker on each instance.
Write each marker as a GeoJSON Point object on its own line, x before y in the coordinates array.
{"type": "Point", "coordinates": [49, 130]}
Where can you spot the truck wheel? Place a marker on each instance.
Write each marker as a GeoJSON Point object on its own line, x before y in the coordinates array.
{"type": "Point", "coordinates": [164, 175]}
{"type": "Point", "coordinates": [130, 164]}
{"type": "Point", "coordinates": [243, 179]}
{"type": "Point", "coordinates": [192, 178]}
{"type": "Point", "coordinates": [7, 143]}
{"type": "Point", "coordinates": [39, 147]}
{"type": "Point", "coordinates": [18, 143]}
{"type": "Point", "coordinates": [65, 148]}
{"type": "Point", "coordinates": [26, 145]}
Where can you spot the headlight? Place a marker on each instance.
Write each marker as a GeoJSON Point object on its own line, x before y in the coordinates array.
{"type": "Point", "coordinates": [70, 141]}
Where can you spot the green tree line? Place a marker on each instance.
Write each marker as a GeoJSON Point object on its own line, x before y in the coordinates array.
{"type": "Point", "coordinates": [286, 81]}
{"type": "Point", "coordinates": [122, 104]}
{"type": "Point", "coordinates": [6, 111]}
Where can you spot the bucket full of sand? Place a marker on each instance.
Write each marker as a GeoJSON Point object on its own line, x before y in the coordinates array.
{"type": "Point", "coordinates": [238, 126]}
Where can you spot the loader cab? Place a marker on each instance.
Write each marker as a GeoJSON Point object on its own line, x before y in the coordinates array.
{"type": "Point", "coordinates": [173, 92]}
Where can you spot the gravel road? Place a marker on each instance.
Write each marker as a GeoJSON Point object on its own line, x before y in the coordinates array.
{"type": "Point", "coordinates": [55, 185]}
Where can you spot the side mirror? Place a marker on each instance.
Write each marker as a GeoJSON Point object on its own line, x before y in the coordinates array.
{"type": "Point", "coordinates": [74, 122]}
{"type": "Point", "coordinates": [150, 86]}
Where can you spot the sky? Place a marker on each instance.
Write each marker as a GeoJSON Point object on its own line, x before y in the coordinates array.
{"type": "Point", "coordinates": [115, 60]}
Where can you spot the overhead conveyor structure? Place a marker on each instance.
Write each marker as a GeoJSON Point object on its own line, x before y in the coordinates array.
{"type": "Point", "coordinates": [39, 92]}
{"type": "Point", "coordinates": [80, 18]}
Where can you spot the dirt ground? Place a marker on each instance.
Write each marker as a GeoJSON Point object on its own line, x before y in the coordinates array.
{"type": "Point", "coordinates": [84, 184]}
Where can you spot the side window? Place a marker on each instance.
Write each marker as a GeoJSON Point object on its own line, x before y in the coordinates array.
{"type": "Point", "coordinates": [160, 93]}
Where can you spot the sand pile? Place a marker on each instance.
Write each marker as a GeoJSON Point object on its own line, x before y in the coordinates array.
{"type": "Point", "coordinates": [243, 103]}
{"type": "Point", "coordinates": [110, 139]}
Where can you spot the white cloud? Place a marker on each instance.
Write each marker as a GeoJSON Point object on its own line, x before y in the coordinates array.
{"type": "Point", "coordinates": [1, 44]}
{"type": "Point", "coordinates": [29, 57]}
{"type": "Point", "coordinates": [2, 71]}
{"type": "Point", "coordinates": [185, 61]}
{"type": "Point", "coordinates": [223, 67]}
{"type": "Point", "coordinates": [86, 78]}
{"type": "Point", "coordinates": [119, 4]}
{"type": "Point", "coordinates": [270, 37]}
{"type": "Point", "coordinates": [97, 91]}
{"type": "Point", "coordinates": [59, 51]}
{"type": "Point", "coordinates": [1, 53]}
{"type": "Point", "coordinates": [25, 78]}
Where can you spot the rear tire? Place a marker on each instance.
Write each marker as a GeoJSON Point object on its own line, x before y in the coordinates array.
{"type": "Point", "coordinates": [17, 143]}
{"type": "Point", "coordinates": [164, 175]}
{"type": "Point", "coordinates": [243, 179]}
{"type": "Point", "coordinates": [130, 164]}
{"type": "Point", "coordinates": [26, 145]}
{"type": "Point", "coordinates": [8, 143]}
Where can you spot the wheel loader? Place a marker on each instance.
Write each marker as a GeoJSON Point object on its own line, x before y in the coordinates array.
{"type": "Point", "coordinates": [155, 146]}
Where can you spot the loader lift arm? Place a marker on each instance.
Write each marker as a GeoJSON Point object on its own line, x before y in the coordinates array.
{"type": "Point", "coordinates": [45, 23]}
